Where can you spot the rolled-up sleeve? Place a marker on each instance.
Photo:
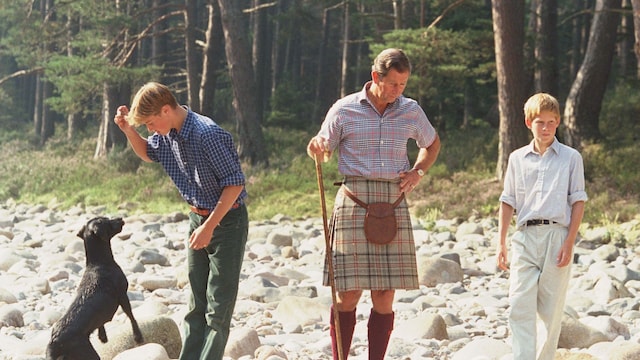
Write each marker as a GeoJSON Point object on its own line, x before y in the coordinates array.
{"type": "Point", "coordinates": [508, 195]}
{"type": "Point", "coordinates": [331, 127]}
{"type": "Point", "coordinates": [224, 159]}
{"type": "Point", "coordinates": [576, 185]}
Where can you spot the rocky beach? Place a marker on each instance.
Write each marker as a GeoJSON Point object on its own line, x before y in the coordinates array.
{"type": "Point", "coordinates": [460, 311]}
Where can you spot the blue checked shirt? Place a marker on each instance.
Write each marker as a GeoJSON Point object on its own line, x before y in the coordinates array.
{"type": "Point", "coordinates": [374, 145]}
{"type": "Point", "coordinates": [200, 159]}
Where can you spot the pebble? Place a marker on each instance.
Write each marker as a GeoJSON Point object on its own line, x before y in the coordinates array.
{"type": "Point", "coordinates": [282, 312]}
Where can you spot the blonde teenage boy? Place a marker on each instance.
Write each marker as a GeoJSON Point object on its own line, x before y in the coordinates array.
{"type": "Point", "coordinates": [544, 185]}
{"type": "Point", "coordinates": [201, 159]}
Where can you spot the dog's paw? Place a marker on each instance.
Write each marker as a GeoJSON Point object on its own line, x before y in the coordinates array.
{"type": "Point", "coordinates": [138, 338]}
{"type": "Point", "coordinates": [102, 334]}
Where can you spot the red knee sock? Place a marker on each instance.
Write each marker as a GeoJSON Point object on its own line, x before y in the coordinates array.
{"type": "Point", "coordinates": [380, 326]}
{"type": "Point", "coordinates": [347, 324]}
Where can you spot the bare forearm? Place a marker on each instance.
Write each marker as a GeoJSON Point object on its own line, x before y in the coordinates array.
{"type": "Point", "coordinates": [504, 220]}
{"type": "Point", "coordinates": [138, 144]}
{"type": "Point", "coordinates": [226, 201]}
{"type": "Point", "coordinates": [577, 212]}
{"type": "Point", "coordinates": [427, 156]}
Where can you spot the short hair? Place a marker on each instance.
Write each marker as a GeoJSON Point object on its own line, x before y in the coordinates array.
{"type": "Point", "coordinates": [541, 102]}
{"type": "Point", "coordinates": [391, 59]}
{"type": "Point", "coordinates": [148, 101]}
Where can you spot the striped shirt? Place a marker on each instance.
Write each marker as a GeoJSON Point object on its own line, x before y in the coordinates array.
{"type": "Point", "coordinates": [544, 186]}
{"type": "Point", "coordinates": [200, 159]}
{"type": "Point", "coordinates": [374, 145]}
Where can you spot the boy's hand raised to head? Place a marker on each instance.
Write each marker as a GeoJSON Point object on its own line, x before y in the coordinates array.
{"type": "Point", "coordinates": [121, 117]}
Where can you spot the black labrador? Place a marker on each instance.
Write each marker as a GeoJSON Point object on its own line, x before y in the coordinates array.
{"type": "Point", "coordinates": [102, 289]}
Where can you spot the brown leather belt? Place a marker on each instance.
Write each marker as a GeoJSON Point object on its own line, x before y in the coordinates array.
{"type": "Point", "coordinates": [206, 212]}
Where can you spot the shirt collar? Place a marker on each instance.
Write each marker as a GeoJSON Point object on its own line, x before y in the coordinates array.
{"type": "Point", "coordinates": [555, 146]}
{"type": "Point", "coordinates": [362, 96]}
{"type": "Point", "coordinates": [187, 126]}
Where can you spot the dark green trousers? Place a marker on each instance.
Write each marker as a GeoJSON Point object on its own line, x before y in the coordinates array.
{"type": "Point", "coordinates": [214, 274]}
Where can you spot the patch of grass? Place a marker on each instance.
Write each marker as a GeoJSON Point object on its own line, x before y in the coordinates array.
{"type": "Point", "coordinates": [293, 191]}
{"type": "Point", "coordinates": [460, 195]}
{"type": "Point", "coordinates": [74, 177]}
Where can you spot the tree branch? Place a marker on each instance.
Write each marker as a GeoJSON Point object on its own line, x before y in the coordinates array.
{"type": "Point", "coordinates": [127, 50]}
{"type": "Point", "coordinates": [259, 7]}
{"type": "Point", "coordinates": [21, 73]}
{"type": "Point", "coordinates": [444, 12]}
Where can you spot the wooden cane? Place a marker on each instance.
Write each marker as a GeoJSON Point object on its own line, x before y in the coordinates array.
{"type": "Point", "coordinates": [329, 258]}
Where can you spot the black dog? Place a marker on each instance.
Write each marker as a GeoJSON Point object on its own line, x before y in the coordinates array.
{"type": "Point", "coordinates": [102, 289]}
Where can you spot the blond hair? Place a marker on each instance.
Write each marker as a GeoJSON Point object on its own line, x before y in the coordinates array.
{"type": "Point", "coordinates": [148, 101]}
{"type": "Point", "coordinates": [541, 102]}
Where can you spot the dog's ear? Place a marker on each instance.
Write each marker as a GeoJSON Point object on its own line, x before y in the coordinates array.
{"type": "Point", "coordinates": [81, 232]}
{"type": "Point", "coordinates": [88, 228]}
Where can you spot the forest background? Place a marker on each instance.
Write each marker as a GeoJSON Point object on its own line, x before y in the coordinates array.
{"type": "Point", "coordinates": [268, 70]}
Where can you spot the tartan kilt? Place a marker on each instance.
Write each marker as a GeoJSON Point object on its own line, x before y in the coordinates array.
{"type": "Point", "coordinates": [359, 264]}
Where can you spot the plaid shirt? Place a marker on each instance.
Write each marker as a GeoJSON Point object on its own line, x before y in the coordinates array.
{"type": "Point", "coordinates": [200, 159]}
{"type": "Point", "coordinates": [374, 145]}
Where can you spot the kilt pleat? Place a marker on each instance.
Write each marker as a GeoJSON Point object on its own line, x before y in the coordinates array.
{"type": "Point", "coordinates": [359, 264]}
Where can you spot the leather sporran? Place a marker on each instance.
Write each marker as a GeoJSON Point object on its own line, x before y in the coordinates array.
{"type": "Point", "coordinates": [380, 224]}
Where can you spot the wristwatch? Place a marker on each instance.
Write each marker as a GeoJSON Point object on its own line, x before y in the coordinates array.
{"type": "Point", "coordinates": [419, 171]}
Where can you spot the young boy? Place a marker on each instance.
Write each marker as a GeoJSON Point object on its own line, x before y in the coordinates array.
{"type": "Point", "coordinates": [201, 159]}
{"type": "Point", "coordinates": [544, 185]}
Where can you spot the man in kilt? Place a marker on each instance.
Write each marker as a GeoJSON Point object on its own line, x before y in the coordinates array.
{"type": "Point", "coordinates": [369, 130]}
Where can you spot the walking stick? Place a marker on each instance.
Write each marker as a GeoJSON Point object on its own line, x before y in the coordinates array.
{"type": "Point", "coordinates": [329, 258]}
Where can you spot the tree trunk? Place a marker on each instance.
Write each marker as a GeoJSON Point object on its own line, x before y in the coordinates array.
{"type": "Point", "coordinates": [361, 48]}
{"type": "Point", "coordinates": [37, 106]}
{"type": "Point", "coordinates": [508, 28]}
{"type": "Point", "coordinates": [158, 43]}
{"type": "Point", "coordinates": [250, 138]}
{"type": "Point", "coordinates": [397, 14]}
{"type": "Point", "coordinates": [625, 44]}
{"type": "Point", "coordinates": [276, 49]}
{"type": "Point", "coordinates": [119, 94]}
{"type": "Point", "coordinates": [260, 56]}
{"type": "Point", "coordinates": [47, 125]}
{"type": "Point", "coordinates": [109, 136]}
{"type": "Point", "coordinates": [191, 54]}
{"type": "Point", "coordinates": [213, 49]}
{"type": "Point", "coordinates": [48, 120]}
{"type": "Point", "coordinates": [321, 75]}
{"type": "Point", "coordinates": [103, 131]}
{"type": "Point", "coordinates": [636, 26]}
{"type": "Point", "coordinates": [345, 50]}
{"type": "Point", "coordinates": [72, 117]}
{"type": "Point", "coordinates": [294, 57]}
{"type": "Point", "coordinates": [583, 105]}
{"type": "Point", "coordinates": [546, 45]}
{"type": "Point", "coordinates": [578, 25]}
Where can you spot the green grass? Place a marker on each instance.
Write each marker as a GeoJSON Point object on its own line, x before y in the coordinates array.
{"type": "Point", "coordinates": [461, 184]}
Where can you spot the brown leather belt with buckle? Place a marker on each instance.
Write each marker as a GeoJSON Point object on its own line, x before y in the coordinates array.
{"type": "Point", "coordinates": [199, 211]}
{"type": "Point", "coordinates": [206, 212]}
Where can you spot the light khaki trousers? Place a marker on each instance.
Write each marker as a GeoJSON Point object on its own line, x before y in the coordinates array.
{"type": "Point", "coordinates": [538, 289]}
